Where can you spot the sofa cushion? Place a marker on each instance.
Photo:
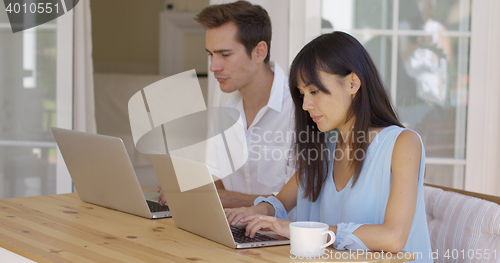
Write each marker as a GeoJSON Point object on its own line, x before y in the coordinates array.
{"type": "Point", "coordinates": [459, 223]}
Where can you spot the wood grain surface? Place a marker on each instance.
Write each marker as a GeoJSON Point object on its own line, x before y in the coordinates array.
{"type": "Point", "coordinates": [62, 228]}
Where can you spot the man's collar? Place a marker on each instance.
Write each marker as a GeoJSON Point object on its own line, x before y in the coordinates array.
{"type": "Point", "coordinates": [275, 101]}
{"type": "Point", "coordinates": [276, 97]}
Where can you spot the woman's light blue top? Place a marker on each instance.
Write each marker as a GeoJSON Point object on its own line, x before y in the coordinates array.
{"type": "Point", "coordinates": [365, 203]}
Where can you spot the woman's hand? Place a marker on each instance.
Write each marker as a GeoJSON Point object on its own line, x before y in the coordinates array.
{"type": "Point", "coordinates": [234, 215]}
{"type": "Point", "coordinates": [266, 223]}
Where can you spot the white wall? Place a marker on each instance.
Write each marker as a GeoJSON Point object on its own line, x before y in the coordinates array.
{"type": "Point", "coordinates": [483, 142]}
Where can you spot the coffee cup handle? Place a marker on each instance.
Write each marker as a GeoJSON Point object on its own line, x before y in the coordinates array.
{"type": "Point", "coordinates": [332, 238]}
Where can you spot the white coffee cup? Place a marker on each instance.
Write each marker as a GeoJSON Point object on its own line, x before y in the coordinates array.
{"type": "Point", "coordinates": [308, 239]}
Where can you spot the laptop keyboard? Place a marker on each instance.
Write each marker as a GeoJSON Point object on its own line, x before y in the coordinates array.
{"type": "Point", "coordinates": [239, 236]}
{"type": "Point", "coordinates": [156, 207]}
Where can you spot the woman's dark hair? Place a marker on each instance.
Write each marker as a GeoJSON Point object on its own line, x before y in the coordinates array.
{"type": "Point", "coordinates": [252, 21]}
{"type": "Point", "coordinates": [341, 54]}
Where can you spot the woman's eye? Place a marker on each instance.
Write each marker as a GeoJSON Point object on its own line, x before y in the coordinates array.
{"type": "Point", "coordinates": [315, 91]}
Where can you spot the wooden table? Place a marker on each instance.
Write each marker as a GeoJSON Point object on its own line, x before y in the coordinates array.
{"type": "Point", "coordinates": [62, 228]}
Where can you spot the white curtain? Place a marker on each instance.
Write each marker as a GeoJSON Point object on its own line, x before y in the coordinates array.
{"type": "Point", "coordinates": [84, 106]}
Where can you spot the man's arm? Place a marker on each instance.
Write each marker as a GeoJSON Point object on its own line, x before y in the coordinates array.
{"type": "Point", "coordinates": [231, 199]}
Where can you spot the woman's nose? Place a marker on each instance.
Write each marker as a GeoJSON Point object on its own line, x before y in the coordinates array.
{"type": "Point", "coordinates": [307, 103]}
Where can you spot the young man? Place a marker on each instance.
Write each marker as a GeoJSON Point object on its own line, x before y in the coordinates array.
{"type": "Point", "coordinates": [238, 41]}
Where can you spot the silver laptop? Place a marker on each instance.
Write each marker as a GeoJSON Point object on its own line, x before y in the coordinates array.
{"type": "Point", "coordinates": [103, 174]}
{"type": "Point", "coordinates": [200, 211]}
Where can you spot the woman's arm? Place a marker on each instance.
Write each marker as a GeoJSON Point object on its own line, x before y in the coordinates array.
{"type": "Point", "coordinates": [288, 195]}
{"type": "Point", "coordinates": [391, 236]}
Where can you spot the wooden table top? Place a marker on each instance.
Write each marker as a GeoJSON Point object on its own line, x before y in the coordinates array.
{"type": "Point", "coordinates": [62, 228]}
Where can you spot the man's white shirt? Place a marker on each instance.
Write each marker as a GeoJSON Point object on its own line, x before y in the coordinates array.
{"type": "Point", "coordinates": [268, 140]}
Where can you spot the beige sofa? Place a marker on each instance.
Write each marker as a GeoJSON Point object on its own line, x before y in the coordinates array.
{"type": "Point", "coordinates": [463, 226]}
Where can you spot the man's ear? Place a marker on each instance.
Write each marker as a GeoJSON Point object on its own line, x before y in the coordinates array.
{"type": "Point", "coordinates": [259, 52]}
{"type": "Point", "coordinates": [354, 83]}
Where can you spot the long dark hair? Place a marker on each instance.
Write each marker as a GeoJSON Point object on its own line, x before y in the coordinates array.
{"type": "Point", "coordinates": [336, 53]}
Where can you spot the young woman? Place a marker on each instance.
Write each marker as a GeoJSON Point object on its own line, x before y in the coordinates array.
{"type": "Point", "coordinates": [359, 170]}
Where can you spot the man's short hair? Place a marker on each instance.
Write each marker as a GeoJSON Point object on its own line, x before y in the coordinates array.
{"type": "Point", "coordinates": [252, 21]}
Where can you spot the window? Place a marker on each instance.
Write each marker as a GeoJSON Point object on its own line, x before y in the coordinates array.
{"type": "Point", "coordinates": [421, 49]}
{"type": "Point", "coordinates": [36, 94]}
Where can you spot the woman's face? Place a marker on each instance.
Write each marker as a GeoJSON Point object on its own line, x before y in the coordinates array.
{"type": "Point", "coordinates": [329, 111]}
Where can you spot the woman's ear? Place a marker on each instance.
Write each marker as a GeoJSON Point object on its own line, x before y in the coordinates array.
{"type": "Point", "coordinates": [355, 83]}
{"type": "Point", "coordinates": [260, 51]}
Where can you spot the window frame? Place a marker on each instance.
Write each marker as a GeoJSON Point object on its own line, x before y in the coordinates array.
{"type": "Point", "coordinates": [482, 122]}
{"type": "Point", "coordinates": [64, 92]}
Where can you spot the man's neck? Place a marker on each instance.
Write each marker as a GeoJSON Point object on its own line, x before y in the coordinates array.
{"type": "Point", "coordinates": [257, 93]}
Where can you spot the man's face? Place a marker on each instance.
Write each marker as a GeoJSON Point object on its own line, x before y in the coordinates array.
{"type": "Point", "coordinates": [229, 61]}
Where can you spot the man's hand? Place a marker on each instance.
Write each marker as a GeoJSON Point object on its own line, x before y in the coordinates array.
{"type": "Point", "coordinates": [162, 199]}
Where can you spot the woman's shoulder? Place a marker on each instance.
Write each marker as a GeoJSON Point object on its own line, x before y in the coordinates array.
{"type": "Point", "coordinates": [407, 140]}
{"type": "Point", "coordinates": [408, 135]}
{"type": "Point", "coordinates": [408, 148]}
{"type": "Point", "coordinates": [374, 133]}
{"type": "Point", "coordinates": [394, 136]}
{"type": "Point", "coordinates": [391, 130]}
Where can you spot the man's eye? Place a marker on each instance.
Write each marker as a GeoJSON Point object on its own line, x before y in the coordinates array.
{"type": "Point", "coordinates": [209, 54]}
{"type": "Point", "coordinates": [225, 54]}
